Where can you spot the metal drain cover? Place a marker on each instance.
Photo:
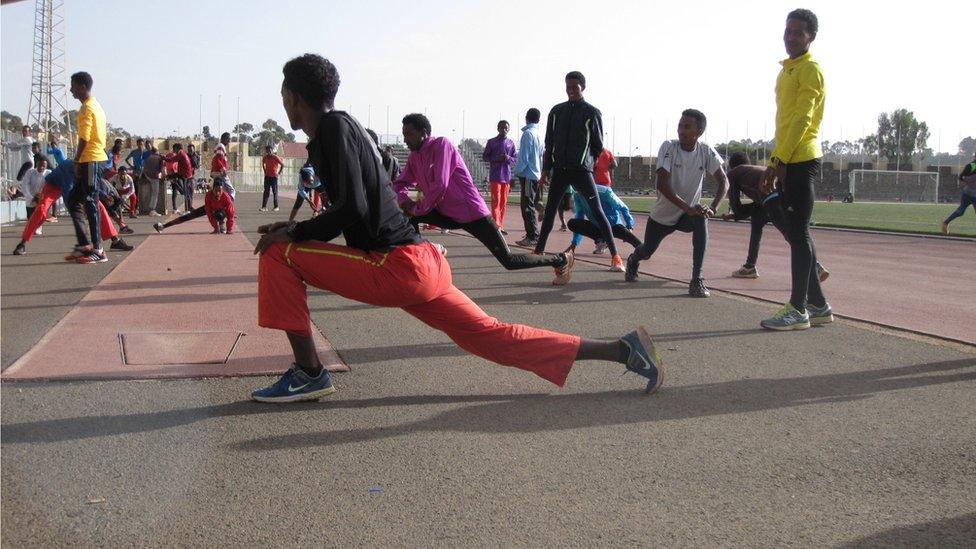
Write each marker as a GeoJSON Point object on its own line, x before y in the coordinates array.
{"type": "Point", "coordinates": [175, 348]}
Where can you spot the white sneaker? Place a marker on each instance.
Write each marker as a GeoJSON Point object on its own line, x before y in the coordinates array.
{"type": "Point", "coordinates": [262, 209]}
{"type": "Point", "coordinates": [600, 248]}
{"type": "Point", "coordinates": [39, 231]}
{"type": "Point", "coordinates": [276, 208]}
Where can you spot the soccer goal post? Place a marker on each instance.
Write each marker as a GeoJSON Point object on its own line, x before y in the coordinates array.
{"type": "Point", "coordinates": [894, 186]}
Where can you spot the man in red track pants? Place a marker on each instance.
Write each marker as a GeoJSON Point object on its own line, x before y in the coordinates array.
{"type": "Point", "coordinates": [385, 262]}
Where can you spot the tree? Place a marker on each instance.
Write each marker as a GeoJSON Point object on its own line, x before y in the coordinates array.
{"type": "Point", "coordinates": [11, 122]}
{"type": "Point", "coordinates": [967, 147]}
{"type": "Point", "coordinates": [901, 136]}
{"type": "Point", "coordinates": [270, 136]}
{"type": "Point", "coordinates": [473, 146]}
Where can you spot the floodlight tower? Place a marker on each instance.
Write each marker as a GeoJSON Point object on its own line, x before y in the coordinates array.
{"type": "Point", "coordinates": [48, 96]}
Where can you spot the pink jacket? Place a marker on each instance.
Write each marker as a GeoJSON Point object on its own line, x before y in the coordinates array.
{"type": "Point", "coordinates": [439, 172]}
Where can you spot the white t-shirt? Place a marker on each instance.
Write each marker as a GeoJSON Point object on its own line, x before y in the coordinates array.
{"type": "Point", "coordinates": [23, 145]}
{"type": "Point", "coordinates": [687, 171]}
{"type": "Point", "coordinates": [32, 183]}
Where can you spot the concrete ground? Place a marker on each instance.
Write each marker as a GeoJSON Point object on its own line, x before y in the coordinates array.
{"type": "Point", "coordinates": [840, 435]}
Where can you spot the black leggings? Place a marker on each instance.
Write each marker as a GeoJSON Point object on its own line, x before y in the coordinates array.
{"type": "Point", "coordinates": [270, 186]}
{"type": "Point", "coordinates": [589, 230]}
{"type": "Point", "coordinates": [655, 232]}
{"type": "Point", "coordinates": [582, 182]}
{"type": "Point", "coordinates": [798, 200]}
{"type": "Point", "coordinates": [485, 230]}
{"type": "Point", "coordinates": [220, 215]}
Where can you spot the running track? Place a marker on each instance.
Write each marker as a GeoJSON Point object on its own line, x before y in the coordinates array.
{"type": "Point", "coordinates": [913, 283]}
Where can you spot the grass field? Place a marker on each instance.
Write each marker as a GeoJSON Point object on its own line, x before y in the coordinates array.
{"type": "Point", "coordinates": [903, 218]}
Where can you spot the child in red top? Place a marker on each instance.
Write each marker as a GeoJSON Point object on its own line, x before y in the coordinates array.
{"type": "Point", "coordinates": [220, 209]}
{"type": "Point", "coordinates": [217, 206]}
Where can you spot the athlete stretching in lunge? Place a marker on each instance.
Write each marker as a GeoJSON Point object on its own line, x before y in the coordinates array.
{"type": "Point", "coordinates": [385, 262]}
{"type": "Point", "coordinates": [451, 201]}
{"type": "Point", "coordinates": [218, 206]}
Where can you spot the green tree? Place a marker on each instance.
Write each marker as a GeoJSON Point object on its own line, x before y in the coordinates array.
{"type": "Point", "coordinates": [11, 122]}
{"type": "Point", "coordinates": [270, 135]}
{"type": "Point", "coordinates": [967, 147]}
{"type": "Point", "coordinates": [901, 136]}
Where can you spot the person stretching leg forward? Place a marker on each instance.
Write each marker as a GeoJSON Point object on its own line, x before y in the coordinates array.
{"type": "Point", "coordinates": [385, 262]}
{"type": "Point", "coordinates": [451, 201]}
{"type": "Point", "coordinates": [681, 167]}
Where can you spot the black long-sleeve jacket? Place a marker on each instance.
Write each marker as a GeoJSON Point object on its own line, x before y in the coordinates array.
{"type": "Point", "coordinates": [574, 137]}
{"type": "Point", "coordinates": [363, 206]}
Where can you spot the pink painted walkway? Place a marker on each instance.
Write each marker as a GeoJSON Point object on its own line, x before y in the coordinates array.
{"type": "Point", "coordinates": [919, 284]}
{"type": "Point", "coordinates": [180, 298]}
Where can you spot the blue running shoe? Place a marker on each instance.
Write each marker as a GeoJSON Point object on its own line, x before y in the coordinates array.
{"type": "Point", "coordinates": [296, 386]}
{"type": "Point", "coordinates": [643, 359]}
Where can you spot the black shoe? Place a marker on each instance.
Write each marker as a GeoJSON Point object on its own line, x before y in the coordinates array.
{"type": "Point", "coordinates": [630, 274]}
{"type": "Point", "coordinates": [527, 242]}
{"type": "Point", "coordinates": [121, 246]}
{"type": "Point", "coordinates": [126, 230]}
{"type": "Point", "coordinates": [20, 249]}
{"type": "Point", "coordinates": [504, 232]}
{"type": "Point", "coordinates": [697, 288]}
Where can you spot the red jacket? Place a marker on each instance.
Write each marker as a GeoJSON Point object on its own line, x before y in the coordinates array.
{"type": "Point", "coordinates": [211, 204]}
{"type": "Point", "coordinates": [183, 166]}
{"type": "Point", "coordinates": [218, 164]}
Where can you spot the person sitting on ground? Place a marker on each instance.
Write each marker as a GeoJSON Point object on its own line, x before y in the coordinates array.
{"type": "Point", "coordinates": [618, 214]}
{"type": "Point", "coordinates": [110, 198]}
{"type": "Point", "coordinates": [310, 190]}
{"type": "Point", "coordinates": [127, 190]}
{"type": "Point", "coordinates": [218, 206]}
{"type": "Point", "coordinates": [746, 179]}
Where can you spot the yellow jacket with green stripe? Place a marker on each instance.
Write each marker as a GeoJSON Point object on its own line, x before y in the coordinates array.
{"type": "Point", "coordinates": [800, 94]}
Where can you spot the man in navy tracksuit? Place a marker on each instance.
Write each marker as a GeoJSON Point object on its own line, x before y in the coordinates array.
{"type": "Point", "coordinates": [574, 139]}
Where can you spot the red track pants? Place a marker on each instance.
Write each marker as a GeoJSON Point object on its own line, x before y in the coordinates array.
{"type": "Point", "coordinates": [49, 195]}
{"type": "Point", "coordinates": [415, 278]}
{"type": "Point", "coordinates": [499, 199]}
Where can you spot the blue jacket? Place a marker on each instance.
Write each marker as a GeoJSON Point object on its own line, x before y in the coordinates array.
{"type": "Point", "coordinates": [63, 176]}
{"type": "Point", "coordinates": [529, 162]}
{"type": "Point", "coordinates": [613, 207]}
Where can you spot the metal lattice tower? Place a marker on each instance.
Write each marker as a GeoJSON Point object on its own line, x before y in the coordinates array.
{"type": "Point", "coordinates": [48, 96]}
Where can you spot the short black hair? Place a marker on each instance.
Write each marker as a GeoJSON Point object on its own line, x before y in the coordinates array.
{"type": "Point", "coordinates": [268, 148]}
{"type": "Point", "coordinates": [177, 147]}
{"type": "Point", "coordinates": [533, 115]}
{"type": "Point", "coordinates": [577, 75]}
{"type": "Point", "coordinates": [314, 79]}
{"type": "Point", "coordinates": [138, 141]}
{"type": "Point", "coordinates": [807, 17]}
{"type": "Point", "coordinates": [373, 136]}
{"type": "Point", "coordinates": [38, 158]}
{"type": "Point", "coordinates": [418, 121]}
{"type": "Point", "coordinates": [500, 122]}
{"type": "Point", "coordinates": [739, 158]}
{"type": "Point", "coordinates": [26, 127]}
{"type": "Point", "coordinates": [225, 134]}
{"type": "Point", "coordinates": [83, 78]}
{"type": "Point", "coordinates": [698, 116]}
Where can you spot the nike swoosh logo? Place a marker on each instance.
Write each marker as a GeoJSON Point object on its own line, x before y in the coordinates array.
{"type": "Point", "coordinates": [294, 389]}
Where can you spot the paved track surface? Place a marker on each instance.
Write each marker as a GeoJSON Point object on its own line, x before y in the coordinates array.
{"type": "Point", "coordinates": [176, 305]}
{"type": "Point", "coordinates": [833, 436]}
{"type": "Point", "coordinates": [908, 282]}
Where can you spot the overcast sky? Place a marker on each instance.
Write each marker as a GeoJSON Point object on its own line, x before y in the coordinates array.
{"type": "Point", "coordinates": [467, 63]}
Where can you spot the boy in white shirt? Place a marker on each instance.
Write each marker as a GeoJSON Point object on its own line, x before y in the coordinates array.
{"type": "Point", "coordinates": [681, 167]}
{"type": "Point", "coordinates": [32, 183]}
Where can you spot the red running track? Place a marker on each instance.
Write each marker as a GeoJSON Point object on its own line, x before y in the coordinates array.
{"type": "Point", "coordinates": [914, 283]}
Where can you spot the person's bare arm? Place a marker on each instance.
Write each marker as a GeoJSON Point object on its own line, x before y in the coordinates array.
{"type": "Point", "coordinates": [723, 187]}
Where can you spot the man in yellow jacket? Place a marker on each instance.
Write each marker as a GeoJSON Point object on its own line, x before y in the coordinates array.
{"type": "Point", "coordinates": [793, 165]}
